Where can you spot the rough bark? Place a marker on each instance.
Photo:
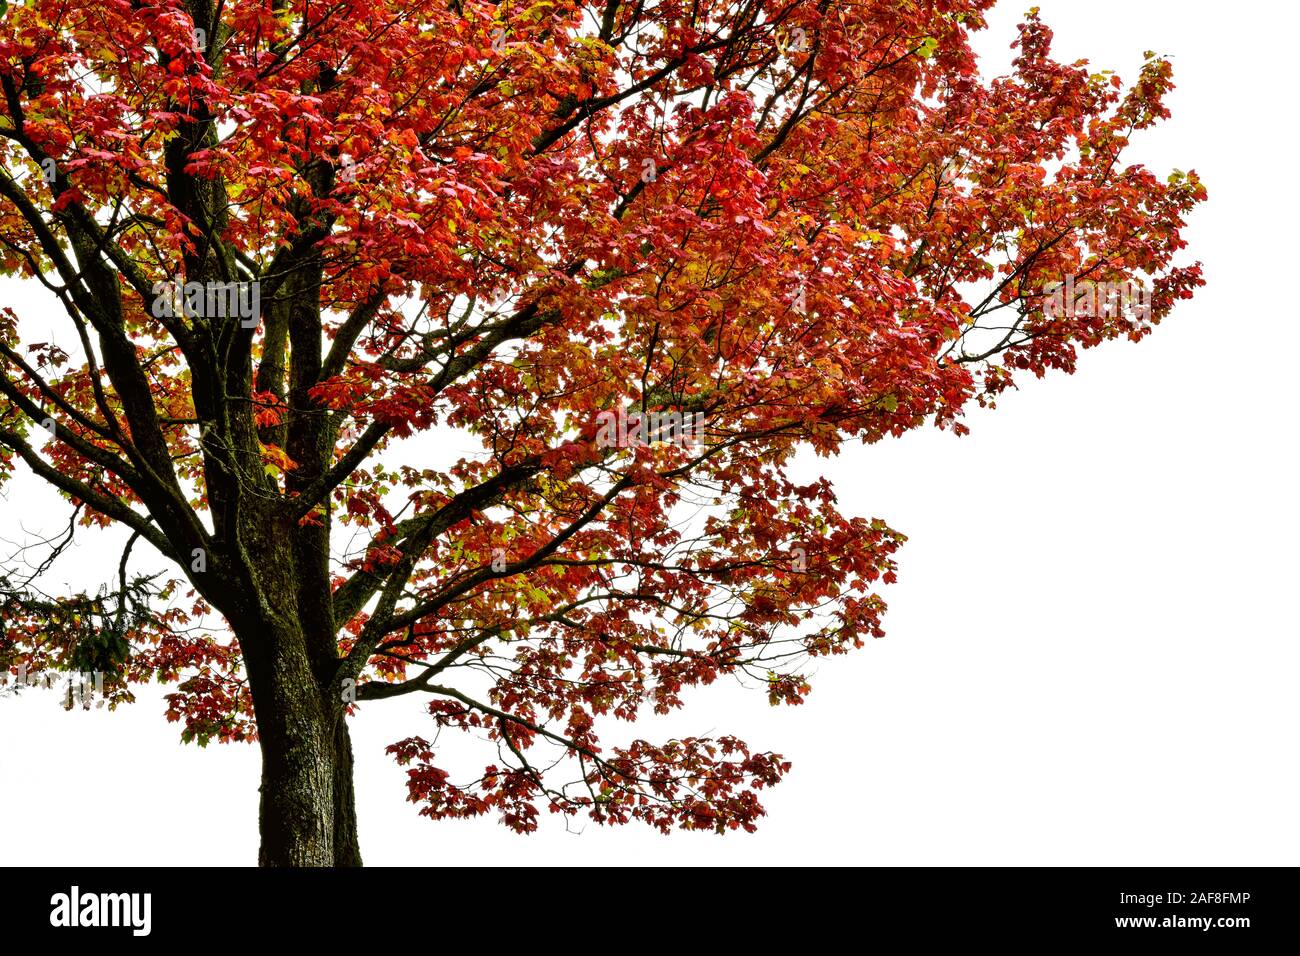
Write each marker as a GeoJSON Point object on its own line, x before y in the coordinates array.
{"type": "Point", "coordinates": [307, 813]}
{"type": "Point", "coordinates": [298, 743]}
{"type": "Point", "coordinates": [347, 845]}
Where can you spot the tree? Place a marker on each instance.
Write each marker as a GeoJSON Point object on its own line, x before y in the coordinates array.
{"type": "Point", "coordinates": [635, 254]}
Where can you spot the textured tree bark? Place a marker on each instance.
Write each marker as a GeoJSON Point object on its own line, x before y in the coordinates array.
{"type": "Point", "coordinates": [283, 616]}
{"type": "Point", "coordinates": [308, 808]}
{"type": "Point", "coordinates": [347, 846]}
{"type": "Point", "coordinates": [307, 814]}
{"type": "Point", "coordinates": [298, 744]}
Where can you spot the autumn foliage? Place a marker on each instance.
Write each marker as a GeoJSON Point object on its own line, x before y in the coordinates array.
{"type": "Point", "coordinates": [475, 228]}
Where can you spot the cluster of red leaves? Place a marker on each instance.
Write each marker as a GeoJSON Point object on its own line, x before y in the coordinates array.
{"type": "Point", "coordinates": [690, 784]}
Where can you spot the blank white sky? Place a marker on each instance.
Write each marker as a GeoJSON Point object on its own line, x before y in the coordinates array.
{"type": "Point", "coordinates": [1092, 650]}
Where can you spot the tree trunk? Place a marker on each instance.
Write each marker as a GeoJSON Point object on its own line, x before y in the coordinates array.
{"type": "Point", "coordinates": [347, 847]}
{"type": "Point", "coordinates": [283, 619]}
{"type": "Point", "coordinates": [307, 815]}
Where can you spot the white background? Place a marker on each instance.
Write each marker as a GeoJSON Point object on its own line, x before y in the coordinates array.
{"type": "Point", "coordinates": [1091, 654]}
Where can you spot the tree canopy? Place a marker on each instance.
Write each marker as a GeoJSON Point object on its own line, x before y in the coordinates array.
{"type": "Point", "coordinates": [615, 262]}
